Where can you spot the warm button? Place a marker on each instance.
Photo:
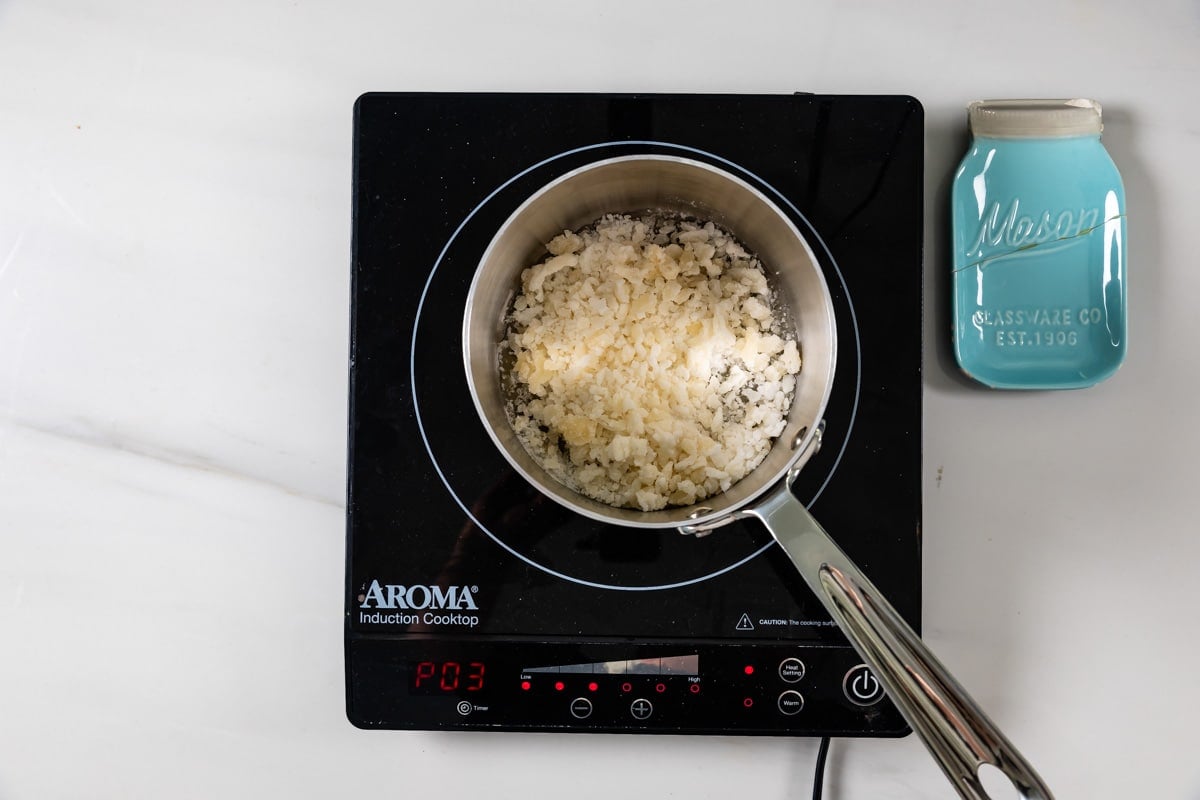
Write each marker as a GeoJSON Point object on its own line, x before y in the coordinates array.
{"type": "Point", "coordinates": [861, 687]}
{"type": "Point", "coordinates": [790, 702]}
{"type": "Point", "coordinates": [581, 708]}
{"type": "Point", "coordinates": [791, 670]}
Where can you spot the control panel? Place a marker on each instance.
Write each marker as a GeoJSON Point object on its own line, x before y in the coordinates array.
{"type": "Point", "coordinates": [743, 688]}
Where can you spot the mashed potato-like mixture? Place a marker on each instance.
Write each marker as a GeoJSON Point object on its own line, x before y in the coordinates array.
{"type": "Point", "coordinates": [648, 366]}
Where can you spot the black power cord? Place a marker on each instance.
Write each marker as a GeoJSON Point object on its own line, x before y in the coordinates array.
{"type": "Point", "coordinates": [819, 772]}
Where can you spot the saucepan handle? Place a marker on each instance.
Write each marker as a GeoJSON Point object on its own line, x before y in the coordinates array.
{"type": "Point", "coordinates": [953, 727]}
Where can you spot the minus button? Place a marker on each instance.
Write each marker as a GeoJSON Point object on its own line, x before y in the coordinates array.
{"type": "Point", "coordinates": [581, 708]}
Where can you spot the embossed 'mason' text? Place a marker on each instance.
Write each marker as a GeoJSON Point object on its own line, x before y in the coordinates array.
{"type": "Point", "coordinates": [1015, 232]}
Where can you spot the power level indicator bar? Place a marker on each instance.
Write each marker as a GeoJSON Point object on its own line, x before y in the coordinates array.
{"type": "Point", "coordinates": [671, 665]}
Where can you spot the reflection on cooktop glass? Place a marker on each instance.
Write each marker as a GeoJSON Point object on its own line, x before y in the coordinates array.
{"type": "Point", "coordinates": [474, 601]}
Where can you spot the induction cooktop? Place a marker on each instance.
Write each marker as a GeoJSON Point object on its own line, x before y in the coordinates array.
{"type": "Point", "coordinates": [472, 601]}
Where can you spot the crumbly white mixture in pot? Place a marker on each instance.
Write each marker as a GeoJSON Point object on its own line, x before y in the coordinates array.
{"type": "Point", "coordinates": [647, 364]}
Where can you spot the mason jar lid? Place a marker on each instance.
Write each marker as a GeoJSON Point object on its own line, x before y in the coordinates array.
{"type": "Point", "coordinates": [1034, 119]}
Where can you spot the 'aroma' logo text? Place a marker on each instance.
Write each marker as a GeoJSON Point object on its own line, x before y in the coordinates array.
{"type": "Point", "coordinates": [393, 595]}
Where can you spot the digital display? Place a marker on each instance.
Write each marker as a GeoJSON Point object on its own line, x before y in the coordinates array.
{"type": "Point", "coordinates": [446, 677]}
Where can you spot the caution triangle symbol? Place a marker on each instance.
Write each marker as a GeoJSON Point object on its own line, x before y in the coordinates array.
{"type": "Point", "coordinates": [744, 624]}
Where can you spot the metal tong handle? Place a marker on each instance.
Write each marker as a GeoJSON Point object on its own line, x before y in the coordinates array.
{"type": "Point", "coordinates": [953, 727]}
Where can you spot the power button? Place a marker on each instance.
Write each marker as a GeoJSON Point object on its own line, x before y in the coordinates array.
{"type": "Point", "coordinates": [861, 687]}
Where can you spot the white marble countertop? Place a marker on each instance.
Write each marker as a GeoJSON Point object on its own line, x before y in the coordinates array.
{"type": "Point", "coordinates": [174, 290]}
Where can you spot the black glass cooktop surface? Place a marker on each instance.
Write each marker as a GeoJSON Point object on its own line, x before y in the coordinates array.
{"type": "Point", "coordinates": [466, 587]}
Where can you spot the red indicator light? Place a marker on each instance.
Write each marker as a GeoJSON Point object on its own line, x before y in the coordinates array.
{"type": "Point", "coordinates": [559, 686]}
{"type": "Point", "coordinates": [627, 687]}
{"type": "Point", "coordinates": [749, 701]}
{"type": "Point", "coordinates": [748, 669]}
{"type": "Point", "coordinates": [694, 688]}
{"type": "Point", "coordinates": [525, 685]}
{"type": "Point", "coordinates": [593, 686]}
{"type": "Point", "coordinates": [660, 687]}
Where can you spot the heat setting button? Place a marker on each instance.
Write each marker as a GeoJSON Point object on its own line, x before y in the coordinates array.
{"type": "Point", "coordinates": [641, 709]}
{"type": "Point", "coordinates": [581, 708]}
{"type": "Point", "coordinates": [791, 670]}
{"type": "Point", "coordinates": [861, 687]}
{"type": "Point", "coordinates": [790, 703]}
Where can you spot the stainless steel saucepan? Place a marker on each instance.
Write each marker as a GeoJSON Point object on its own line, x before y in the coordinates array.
{"type": "Point", "coordinates": [956, 731]}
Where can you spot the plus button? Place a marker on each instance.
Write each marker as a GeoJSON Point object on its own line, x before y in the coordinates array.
{"type": "Point", "coordinates": [641, 708]}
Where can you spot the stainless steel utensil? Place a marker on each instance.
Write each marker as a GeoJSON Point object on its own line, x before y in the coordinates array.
{"type": "Point", "coordinates": [957, 733]}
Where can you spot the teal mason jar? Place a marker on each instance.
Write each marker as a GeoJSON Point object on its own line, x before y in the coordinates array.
{"type": "Point", "coordinates": [1038, 222]}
